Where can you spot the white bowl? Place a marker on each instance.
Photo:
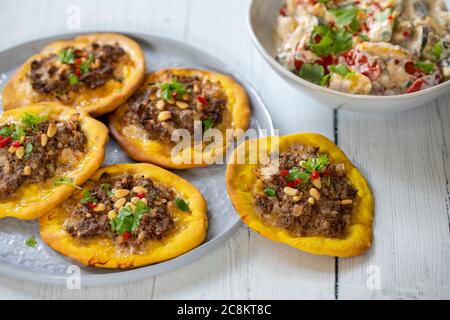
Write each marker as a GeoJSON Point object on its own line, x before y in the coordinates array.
{"type": "Point", "coordinates": [262, 22]}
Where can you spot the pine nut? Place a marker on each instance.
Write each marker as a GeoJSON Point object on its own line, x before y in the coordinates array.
{"type": "Point", "coordinates": [186, 97]}
{"type": "Point", "coordinates": [315, 193]}
{"type": "Point", "coordinates": [317, 183]}
{"type": "Point", "coordinates": [346, 202]}
{"type": "Point", "coordinates": [171, 101]}
{"type": "Point", "coordinates": [130, 205]}
{"type": "Point", "coordinates": [311, 200]}
{"type": "Point", "coordinates": [120, 203]}
{"type": "Point", "coordinates": [160, 104]}
{"type": "Point", "coordinates": [100, 207]}
{"type": "Point", "coordinates": [139, 189]}
{"type": "Point", "coordinates": [196, 88]}
{"type": "Point", "coordinates": [135, 200]}
{"type": "Point", "coordinates": [44, 140]}
{"type": "Point", "coordinates": [164, 115]}
{"type": "Point", "coordinates": [12, 149]}
{"type": "Point", "coordinates": [290, 191]}
{"type": "Point", "coordinates": [121, 193]}
{"type": "Point", "coordinates": [20, 152]}
{"type": "Point", "coordinates": [112, 214]}
{"type": "Point", "coordinates": [153, 97]}
{"type": "Point", "coordinates": [27, 170]}
{"type": "Point", "coordinates": [51, 131]}
{"type": "Point", "coordinates": [182, 105]}
{"type": "Point", "coordinates": [296, 198]}
{"type": "Point", "coordinates": [88, 215]}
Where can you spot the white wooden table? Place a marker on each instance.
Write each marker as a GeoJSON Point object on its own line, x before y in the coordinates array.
{"type": "Point", "coordinates": [405, 157]}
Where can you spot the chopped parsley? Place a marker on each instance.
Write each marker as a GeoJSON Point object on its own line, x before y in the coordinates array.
{"type": "Point", "coordinates": [208, 124]}
{"type": "Point", "coordinates": [181, 204]}
{"type": "Point", "coordinates": [31, 242]}
{"type": "Point", "coordinates": [107, 188]}
{"type": "Point", "coordinates": [312, 72]}
{"type": "Point", "coordinates": [426, 67]}
{"type": "Point", "coordinates": [67, 56]}
{"type": "Point", "coordinates": [67, 181]}
{"type": "Point", "coordinates": [331, 42]}
{"type": "Point", "coordinates": [128, 220]}
{"type": "Point", "coordinates": [84, 67]}
{"type": "Point", "coordinates": [5, 132]}
{"type": "Point", "coordinates": [73, 79]}
{"type": "Point", "coordinates": [88, 198]}
{"type": "Point", "coordinates": [174, 87]}
{"type": "Point", "coordinates": [270, 192]}
{"type": "Point", "coordinates": [33, 121]}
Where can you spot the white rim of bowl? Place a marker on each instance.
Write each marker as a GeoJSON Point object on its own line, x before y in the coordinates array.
{"type": "Point", "coordinates": [301, 81]}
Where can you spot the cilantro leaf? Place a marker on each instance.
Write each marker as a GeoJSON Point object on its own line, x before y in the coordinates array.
{"type": "Point", "coordinates": [331, 42]}
{"type": "Point", "coordinates": [67, 181]}
{"type": "Point", "coordinates": [426, 67]}
{"type": "Point", "coordinates": [295, 173]}
{"type": "Point", "coordinates": [312, 72]}
{"type": "Point", "coordinates": [344, 16]}
{"type": "Point", "coordinates": [141, 208]}
{"type": "Point", "coordinates": [5, 132]}
{"type": "Point", "coordinates": [18, 133]}
{"type": "Point", "coordinates": [88, 198]}
{"type": "Point", "coordinates": [67, 56]}
{"type": "Point", "coordinates": [208, 124]}
{"type": "Point", "coordinates": [73, 79]}
{"type": "Point", "coordinates": [33, 121]}
{"type": "Point", "coordinates": [84, 67]}
{"type": "Point", "coordinates": [316, 164]}
{"type": "Point", "coordinates": [325, 80]}
{"type": "Point", "coordinates": [340, 69]}
{"type": "Point", "coordinates": [169, 88]}
{"type": "Point", "coordinates": [107, 188]}
{"type": "Point", "coordinates": [31, 242]}
{"type": "Point", "coordinates": [124, 220]}
{"type": "Point", "coordinates": [28, 150]}
{"type": "Point", "coordinates": [270, 192]}
{"type": "Point", "coordinates": [437, 50]}
{"type": "Point", "coordinates": [181, 204]}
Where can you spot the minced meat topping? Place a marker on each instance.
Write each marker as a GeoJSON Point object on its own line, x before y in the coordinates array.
{"type": "Point", "coordinates": [36, 149]}
{"type": "Point", "coordinates": [306, 194]}
{"type": "Point", "coordinates": [76, 69]}
{"type": "Point", "coordinates": [177, 102]}
{"type": "Point", "coordinates": [130, 209]}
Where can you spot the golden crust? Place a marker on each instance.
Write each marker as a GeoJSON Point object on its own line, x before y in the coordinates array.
{"type": "Point", "coordinates": [31, 201]}
{"type": "Point", "coordinates": [101, 252]}
{"type": "Point", "coordinates": [19, 93]}
{"type": "Point", "coordinates": [159, 153]}
{"type": "Point", "coordinates": [241, 181]}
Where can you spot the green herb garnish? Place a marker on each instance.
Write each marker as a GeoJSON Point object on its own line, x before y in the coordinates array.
{"type": "Point", "coordinates": [88, 198]}
{"type": "Point", "coordinates": [73, 79]}
{"type": "Point", "coordinates": [345, 16]}
{"type": "Point", "coordinates": [107, 188]}
{"type": "Point", "coordinates": [28, 150]}
{"type": "Point", "coordinates": [312, 72]}
{"type": "Point", "coordinates": [181, 204]}
{"type": "Point", "coordinates": [426, 67]}
{"type": "Point", "coordinates": [67, 56]}
{"type": "Point", "coordinates": [340, 69]}
{"type": "Point", "coordinates": [127, 220]}
{"type": "Point", "coordinates": [67, 181]}
{"type": "Point", "coordinates": [5, 132]}
{"type": "Point", "coordinates": [331, 42]}
{"type": "Point", "coordinates": [316, 164]}
{"type": "Point", "coordinates": [18, 133]}
{"type": "Point", "coordinates": [84, 67]}
{"type": "Point", "coordinates": [325, 80]}
{"type": "Point", "coordinates": [437, 50]}
{"type": "Point", "coordinates": [31, 242]}
{"type": "Point", "coordinates": [169, 88]}
{"type": "Point", "coordinates": [208, 124]}
{"type": "Point", "coordinates": [270, 192]}
{"type": "Point", "coordinates": [364, 37]}
{"type": "Point", "coordinates": [33, 121]}
{"type": "Point", "coordinates": [295, 174]}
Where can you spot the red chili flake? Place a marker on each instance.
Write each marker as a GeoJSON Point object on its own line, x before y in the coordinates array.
{"type": "Point", "coordinates": [406, 34]}
{"type": "Point", "coordinates": [202, 100]}
{"type": "Point", "coordinates": [283, 12]}
{"type": "Point", "coordinates": [78, 71]}
{"type": "Point", "coordinates": [284, 173]}
{"type": "Point", "coordinates": [396, 61]}
{"type": "Point", "coordinates": [77, 61]}
{"type": "Point", "coordinates": [363, 60]}
{"type": "Point", "coordinates": [4, 141]}
{"type": "Point", "coordinates": [92, 205]}
{"type": "Point", "coordinates": [16, 144]}
{"type": "Point", "coordinates": [326, 61]}
{"type": "Point", "coordinates": [140, 195]}
{"type": "Point", "coordinates": [126, 236]}
{"type": "Point", "coordinates": [315, 175]}
{"type": "Point", "coordinates": [391, 17]}
{"type": "Point", "coordinates": [313, 2]}
{"type": "Point", "coordinates": [294, 183]}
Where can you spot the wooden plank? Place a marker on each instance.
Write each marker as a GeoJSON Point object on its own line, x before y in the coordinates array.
{"type": "Point", "coordinates": [404, 157]}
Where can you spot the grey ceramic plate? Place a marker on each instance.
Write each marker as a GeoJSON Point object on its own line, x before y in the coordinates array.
{"type": "Point", "coordinates": [42, 264]}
